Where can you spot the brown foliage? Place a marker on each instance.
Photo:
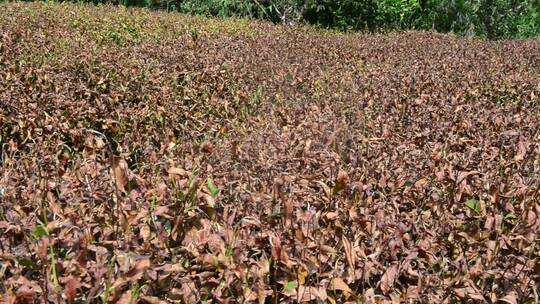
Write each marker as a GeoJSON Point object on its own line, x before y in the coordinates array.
{"type": "Point", "coordinates": [159, 157]}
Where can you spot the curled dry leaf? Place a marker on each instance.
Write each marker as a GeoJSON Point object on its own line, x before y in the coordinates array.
{"type": "Point", "coordinates": [521, 151]}
{"type": "Point", "coordinates": [276, 248]}
{"type": "Point", "coordinates": [289, 205]}
{"type": "Point", "coordinates": [179, 171]}
{"type": "Point", "coordinates": [331, 215]}
{"type": "Point", "coordinates": [469, 293]}
{"type": "Point", "coordinates": [342, 181]}
{"type": "Point", "coordinates": [349, 253]}
{"type": "Point", "coordinates": [125, 298]}
{"type": "Point", "coordinates": [134, 274]}
{"type": "Point", "coordinates": [119, 173]}
{"type": "Point", "coordinates": [71, 285]}
{"type": "Point", "coordinates": [43, 248]}
{"type": "Point", "coordinates": [207, 147]}
{"type": "Point", "coordinates": [388, 279]}
{"type": "Point", "coordinates": [152, 300]}
{"type": "Point", "coordinates": [339, 284]}
{"type": "Point", "coordinates": [511, 298]}
{"type": "Point", "coordinates": [145, 232]}
{"type": "Point", "coordinates": [325, 188]}
{"type": "Point", "coordinates": [208, 200]}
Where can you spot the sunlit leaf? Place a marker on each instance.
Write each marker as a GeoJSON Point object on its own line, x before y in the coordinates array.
{"type": "Point", "coordinates": [212, 187]}
{"type": "Point", "coordinates": [290, 285]}
{"type": "Point", "coordinates": [40, 231]}
{"type": "Point", "coordinates": [474, 205]}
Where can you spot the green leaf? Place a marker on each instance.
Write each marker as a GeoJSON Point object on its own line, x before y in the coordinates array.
{"type": "Point", "coordinates": [289, 285]}
{"type": "Point", "coordinates": [54, 273]}
{"type": "Point", "coordinates": [168, 227]}
{"type": "Point", "coordinates": [135, 292]}
{"type": "Point", "coordinates": [474, 205]}
{"type": "Point", "coordinates": [212, 187]}
{"type": "Point", "coordinates": [27, 263]}
{"type": "Point", "coordinates": [510, 217]}
{"type": "Point", "coordinates": [40, 231]}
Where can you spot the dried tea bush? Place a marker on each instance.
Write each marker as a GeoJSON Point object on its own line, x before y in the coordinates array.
{"type": "Point", "coordinates": [156, 157]}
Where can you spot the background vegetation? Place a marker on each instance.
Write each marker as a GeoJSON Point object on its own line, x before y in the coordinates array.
{"type": "Point", "coordinates": [493, 19]}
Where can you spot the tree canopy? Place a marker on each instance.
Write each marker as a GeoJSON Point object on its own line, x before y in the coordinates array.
{"type": "Point", "coordinates": [492, 19]}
